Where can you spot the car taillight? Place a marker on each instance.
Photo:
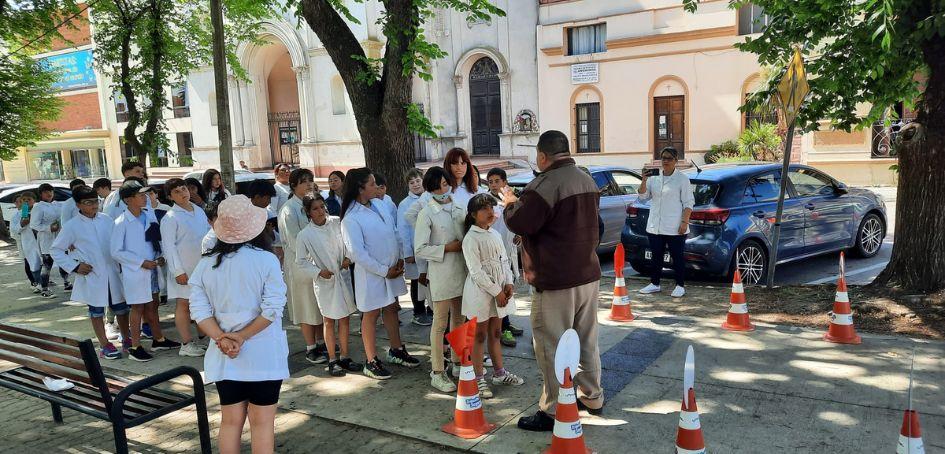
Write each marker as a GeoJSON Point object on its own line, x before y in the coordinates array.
{"type": "Point", "coordinates": [632, 211]}
{"type": "Point", "coordinates": [712, 216]}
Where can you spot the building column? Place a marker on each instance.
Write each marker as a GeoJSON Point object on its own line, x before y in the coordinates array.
{"type": "Point", "coordinates": [248, 99]}
{"type": "Point", "coordinates": [505, 93]}
{"type": "Point", "coordinates": [306, 112]}
{"type": "Point", "coordinates": [236, 111]}
{"type": "Point", "coordinates": [462, 107]}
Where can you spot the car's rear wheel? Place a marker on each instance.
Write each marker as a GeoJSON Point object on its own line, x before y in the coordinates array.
{"type": "Point", "coordinates": [752, 262]}
{"type": "Point", "coordinates": [869, 237]}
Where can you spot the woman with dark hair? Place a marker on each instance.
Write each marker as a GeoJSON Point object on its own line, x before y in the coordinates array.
{"type": "Point", "coordinates": [249, 357]}
{"type": "Point", "coordinates": [213, 184]}
{"type": "Point", "coordinates": [462, 175]}
{"type": "Point", "coordinates": [370, 236]}
{"type": "Point", "coordinates": [336, 183]}
{"type": "Point", "coordinates": [302, 303]}
{"type": "Point", "coordinates": [197, 195]}
{"type": "Point", "coordinates": [438, 239]}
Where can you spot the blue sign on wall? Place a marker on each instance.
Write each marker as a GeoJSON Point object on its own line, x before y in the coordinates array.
{"type": "Point", "coordinates": [74, 68]}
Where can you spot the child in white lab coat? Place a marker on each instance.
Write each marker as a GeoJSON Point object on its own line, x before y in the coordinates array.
{"type": "Point", "coordinates": [415, 268]}
{"type": "Point", "coordinates": [370, 236]}
{"type": "Point", "coordinates": [82, 247]}
{"type": "Point", "coordinates": [26, 244]}
{"type": "Point", "coordinates": [487, 293]}
{"type": "Point", "coordinates": [322, 257]}
{"type": "Point", "coordinates": [182, 231]}
{"type": "Point", "coordinates": [44, 220]}
{"type": "Point", "coordinates": [137, 260]}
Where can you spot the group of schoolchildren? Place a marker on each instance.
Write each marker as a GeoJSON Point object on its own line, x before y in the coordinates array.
{"type": "Point", "coordinates": [342, 251]}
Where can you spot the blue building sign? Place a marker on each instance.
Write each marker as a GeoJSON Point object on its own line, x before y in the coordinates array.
{"type": "Point", "coordinates": [74, 68]}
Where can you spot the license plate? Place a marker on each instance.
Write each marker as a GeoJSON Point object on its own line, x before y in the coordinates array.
{"type": "Point", "coordinates": [649, 256]}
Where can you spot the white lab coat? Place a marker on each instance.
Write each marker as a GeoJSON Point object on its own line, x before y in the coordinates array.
{"type": "Point", "coordinates": [211, 195]}
{"type": "Point", "coordinates": [68, 209]}
{"type": "Point", "coordinates": [182, 233]}
{"type": "Point", "coordinates": [247, 284]}
{"type": "Point", "coordinates": [130, 250]}
{"type": "Point", "coordinates": [209, 240]}
{"type": "Point", "coordinates": [320, 247]}
{"type": "Point", "coordinates": [371, 240]}
{"type": "Point", "coordinates": [283, 193]}
{"type": "Point", "coordinates": [405, 232]}
{"type": "Point", "coordinates": [115, 206]}
{"type": "Point", "coordinates": [91, 239]}
{"type": "Point", "coordinates": [460, 196]}
{"type": "Point", "coordinates": [42, 217]}
{"type": "Point", "coordinates": [436, 226]}
{"type": "Point", "coordinates": [303, 305]}
{"type": "Point", "coordinates": [508, 238]}
{"type": "Point", "coordinates": [489, 272]}
{"type": "Point", "coordinates": [26, 242]}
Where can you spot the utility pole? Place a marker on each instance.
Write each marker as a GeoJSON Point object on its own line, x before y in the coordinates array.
{"type": "Point", "coordinates": [223, 98]}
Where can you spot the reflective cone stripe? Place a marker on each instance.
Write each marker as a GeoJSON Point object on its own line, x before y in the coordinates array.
{"type": "Point", "coordinates": [689, 433]}
{"type": "Point", "coordinates": [469, 421]}
{"type": "Point", "coordinates": [910, 436]}
{"type": "Point", "coordinates": [841, 329]}
{"type": "Point", "coordinates": [620, 306]}
{"type": "Point", "coordinates": [738, 319]}
{"type": "Point", "coordinates": [568, 435]}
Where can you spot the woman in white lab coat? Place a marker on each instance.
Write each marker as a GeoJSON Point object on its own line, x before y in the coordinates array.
{"type": "Point", "coordinates": [438, 239]}
{"type": "Point", "coordinates": [182, 231]}
{"type": "Point", "coordinates": [370, 236]}
{"type": "Point", "coordinates": [303, 306]}
{"type": "Point", "coordinates": [26, 244]}
{"type": "Point", "coordinates": [323, 259]}
{"type": "Point", "coordinates": [237, 297]}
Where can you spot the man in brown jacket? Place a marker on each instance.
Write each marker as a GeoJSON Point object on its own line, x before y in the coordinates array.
{"type": "Point", "coordinates": [556, 217]}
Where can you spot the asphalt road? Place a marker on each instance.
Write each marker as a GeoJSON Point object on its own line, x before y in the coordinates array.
{"type": "Point", "coordinates": [815, 270]}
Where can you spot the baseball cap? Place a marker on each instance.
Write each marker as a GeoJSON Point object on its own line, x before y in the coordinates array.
{"type": "Point", "coordinates": [130, 188]}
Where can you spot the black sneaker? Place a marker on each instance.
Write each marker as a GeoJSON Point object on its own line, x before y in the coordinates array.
{"type": "Point", "coordinates": [139, 354]}
{"type": "Point", "coordinates": [350, 365]}
{"type": "Point", "coordinates": [516, 331]}
{"type": "Point", "coordinates": [539, 422]}
{"type": "Point", "coordinates": [376, 370]}
{"type": "Point", "coordinates": [317, 355]}
{"type": "Point", "coordinates": [165, 344]}
{"type": "Point", "coordinates": [400, 357]}
{"type": "Point", "coordinates": [335, 369]}
{"type": "Point", "coordinates": [593, 411]}
{"type": "Point", "coordinates": [422, 320]}
{"type": "Point", "coordinates": [68, 286]}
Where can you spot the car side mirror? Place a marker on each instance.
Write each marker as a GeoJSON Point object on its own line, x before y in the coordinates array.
{"type": "Point", "coordinates": [840, 189]}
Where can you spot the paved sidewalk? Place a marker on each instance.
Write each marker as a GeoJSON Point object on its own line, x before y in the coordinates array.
{"type": "Point", "coordinates": [778, 389]}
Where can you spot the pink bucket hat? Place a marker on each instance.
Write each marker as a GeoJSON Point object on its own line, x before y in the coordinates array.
{"type": "Point", "coordinates": [238, 220]}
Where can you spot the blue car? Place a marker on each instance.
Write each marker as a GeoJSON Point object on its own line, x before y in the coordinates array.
{"type": "Point", "coordinates": [734, 213]}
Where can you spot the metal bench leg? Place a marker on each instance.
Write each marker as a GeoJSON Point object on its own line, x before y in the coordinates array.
{"type": "Point", "coordinates": [56, 412]}
{"type": "Point", "coordinates": [121, 441]}
{"type": "Point", "coordinates": [203, 425]}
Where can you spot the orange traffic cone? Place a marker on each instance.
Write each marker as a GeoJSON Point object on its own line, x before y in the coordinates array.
{"type": "Point", "coordinates": [841, 318]}
{"type": "Point", "coordinates": [620, 308]}
{"type": "Point", "coordinates": [468, 418]}
{"type": "Point", "coordinates": [689, 433]}
{"type": "Point", "coordinates": [738, 311]}
{"type": "Point", "coordinates": [910, 436]}
{"type": "Point", "coordinates": [568, 435]}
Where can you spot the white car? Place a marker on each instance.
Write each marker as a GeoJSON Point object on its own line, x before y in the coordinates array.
{"type": "Point", "coordinates": [7, 196]}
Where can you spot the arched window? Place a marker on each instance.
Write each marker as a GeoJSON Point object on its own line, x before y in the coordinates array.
{"type": "Point", "coordinates": [338, 103]}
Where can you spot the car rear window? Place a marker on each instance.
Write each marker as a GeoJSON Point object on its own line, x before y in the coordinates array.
{"type": "Point", "coordinates": [704, 192]}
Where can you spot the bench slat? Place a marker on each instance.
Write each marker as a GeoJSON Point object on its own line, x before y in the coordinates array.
{"type": "Point", "coordinates": [40, 343]}
{"type": "Point", "coordinates": [157, 394]}
{"type": "Point", "coordinates": [71, 395]}
{"type": "Point", "coordinates": [41, 354]}
{"type": "Point", "coordinates": [86, 390]}
{"type": "Point", "coordinates": [49, 368]}
{"type": "Point", "coordinates": [33, 332]}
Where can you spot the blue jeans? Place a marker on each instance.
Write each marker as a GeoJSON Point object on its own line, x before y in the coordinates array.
{"type": "Point", "coordinates": [117, 309]}
{"type": "Point", "coordinates": [676, 244]}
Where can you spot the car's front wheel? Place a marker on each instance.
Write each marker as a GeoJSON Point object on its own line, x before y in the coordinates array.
{"type": "Point", "coordinates": [869, 237]}
{"type": "Point", "coordinates": [752, 262]}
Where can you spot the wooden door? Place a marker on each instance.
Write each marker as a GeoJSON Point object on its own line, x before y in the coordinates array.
{"type": "Point", "coordinates": [485, 106]}
{"type": "Point", "coordinates": [670, 124]}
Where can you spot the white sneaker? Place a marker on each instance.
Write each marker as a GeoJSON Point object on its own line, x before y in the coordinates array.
{"type": "Point", "coordinates": [455, 370]}
{"type": "Point", "coordinates": [484, 391]}
{"type": "Point", "coordinates": [652, 288]}
{"type": "Point", "coordinates": [678, 292]}
{"type": "Point", "coordinates": [111, 331]}
{"type": "Point", "coordinates": [441, 382]}
{"type": "Point", "coordinates": [36, 288]}
{"type": "Point", "coordinates": [486, 361]}
{"type": "Point", "coordinates": [191, 349]}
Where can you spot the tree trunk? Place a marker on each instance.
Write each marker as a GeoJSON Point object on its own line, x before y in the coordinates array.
{"type": "Point", "coordinates": [918, 256]}
{"type": "Point", "coordinates": [220, 83]}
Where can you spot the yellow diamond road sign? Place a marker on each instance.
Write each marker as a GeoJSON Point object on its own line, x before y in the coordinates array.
{"type": "Point", "coordinates": [793, 87]}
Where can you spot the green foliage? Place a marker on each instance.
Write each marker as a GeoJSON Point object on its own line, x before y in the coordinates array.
{"type": "Point", "coordinates": [724, 150]}
{"type": "Point", "coordinates": [418, 122]}
{"type": "Point", "coordinates": [855, 52]}
{"type": "Point", "coordinates": [760, 142]}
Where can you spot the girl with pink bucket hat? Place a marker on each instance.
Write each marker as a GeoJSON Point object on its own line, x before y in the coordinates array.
{"type": "Point", "coordinates": [237, 298]}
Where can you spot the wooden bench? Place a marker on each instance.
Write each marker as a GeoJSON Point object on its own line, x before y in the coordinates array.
{"type": "Point", "coordinates": [104, 396]}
